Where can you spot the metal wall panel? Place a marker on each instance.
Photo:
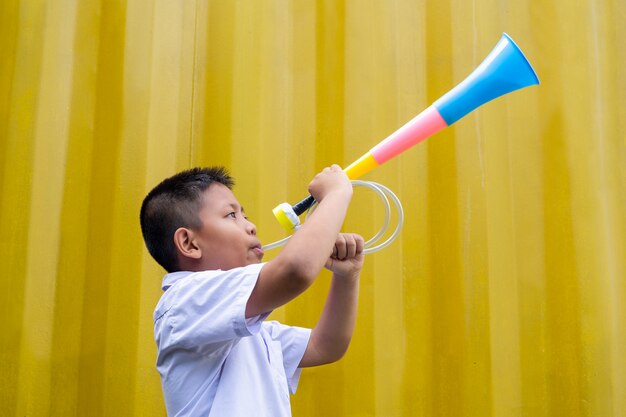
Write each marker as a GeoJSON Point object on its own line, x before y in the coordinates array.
{"type": "Point", "coordinates": [504, 295]}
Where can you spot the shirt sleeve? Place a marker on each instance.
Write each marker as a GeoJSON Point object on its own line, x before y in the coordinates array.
{"type": "Point", "coordinates": [210, 307]}
{"type": "Point", "coordinates": [293, 341]}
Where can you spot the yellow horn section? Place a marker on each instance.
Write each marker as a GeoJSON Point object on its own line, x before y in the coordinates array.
{"type": "Point", "coordinates": [361, 166]}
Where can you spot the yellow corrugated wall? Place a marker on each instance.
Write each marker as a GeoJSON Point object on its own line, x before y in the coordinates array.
{"type": "Point", "coordinates": [506, 292]}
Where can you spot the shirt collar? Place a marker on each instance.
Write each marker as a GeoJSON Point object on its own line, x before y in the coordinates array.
{"type": "Point", "coordinates": [172, 278]}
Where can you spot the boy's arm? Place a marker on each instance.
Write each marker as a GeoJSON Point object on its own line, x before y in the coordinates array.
{"type": "Point", "coordinates": [331, 336]}
{"type": "Point", "coordinates": [305, 254]}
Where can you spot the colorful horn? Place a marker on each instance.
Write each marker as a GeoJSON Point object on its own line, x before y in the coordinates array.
{"type": "Point", "coordinates": [505, 69]}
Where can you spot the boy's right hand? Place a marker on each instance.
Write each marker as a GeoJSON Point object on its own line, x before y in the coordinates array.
{"type": "Point", "coordinates": [331, 179]}
{"type": "Point", "coordinates": [347, 257]}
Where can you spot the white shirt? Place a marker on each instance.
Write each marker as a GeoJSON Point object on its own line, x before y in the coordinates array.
{"type": "Point", "coordinates": [214, 362]}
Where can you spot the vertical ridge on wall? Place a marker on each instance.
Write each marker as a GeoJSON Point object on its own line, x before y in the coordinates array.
{"type": "Point", "coordinates": [192, 112]}
{"type": "Point", "coordinates": [107, 124]}
{"type": "Point", "coordinates": [22, 74]}
{"type": "Point", "coordinates": [49, 150]}
{"type": "Point", "coordinates": [412, 174]}
{"type": "Point", "coordinates": [447, 329]}
{"type": "Point", "coordinates": [362, 124]}
{"type": "Point", "coordinates": [74, 220]}
{"type": "Point", "coordinates": [156, 38]}
{"type": "Point", "coordinates": [601, 258]}
{"type": "Point", "coordinates": [215, 83]}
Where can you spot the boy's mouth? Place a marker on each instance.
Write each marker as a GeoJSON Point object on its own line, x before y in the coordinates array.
{"type": "Point", "coordinates": [258, 250]}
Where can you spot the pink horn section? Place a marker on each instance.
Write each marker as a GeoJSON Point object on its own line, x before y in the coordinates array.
{"type": "Point", "coordinates": [422, 126]}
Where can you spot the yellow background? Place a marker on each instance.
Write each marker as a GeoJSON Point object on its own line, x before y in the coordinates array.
{"type": "Point", "coordinates": [505, 294]}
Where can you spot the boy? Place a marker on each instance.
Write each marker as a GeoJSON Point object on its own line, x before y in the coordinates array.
{"type": "Point", "coordinates": [217, 356]}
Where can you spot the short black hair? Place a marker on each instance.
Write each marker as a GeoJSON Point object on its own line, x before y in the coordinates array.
{"type": "Point", "coordinates": [175, 203]}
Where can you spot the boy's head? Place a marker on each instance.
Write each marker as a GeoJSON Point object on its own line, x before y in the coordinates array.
{"type": "Point", "coordinates": [192, 220]}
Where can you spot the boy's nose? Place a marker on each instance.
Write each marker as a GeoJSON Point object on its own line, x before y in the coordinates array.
{"type": "Point", "coordinates": [251, 228]}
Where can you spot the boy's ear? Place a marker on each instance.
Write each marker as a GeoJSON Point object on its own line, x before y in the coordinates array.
{"type": "Point", "coordinates": [184, 239]}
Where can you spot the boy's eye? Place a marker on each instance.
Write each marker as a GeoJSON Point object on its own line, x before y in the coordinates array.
{"type": "Point", "coordinates": [232, 214]}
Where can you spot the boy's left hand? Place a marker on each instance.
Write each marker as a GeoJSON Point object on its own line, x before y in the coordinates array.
{"type": "Point", "coordinates": [347, 256]}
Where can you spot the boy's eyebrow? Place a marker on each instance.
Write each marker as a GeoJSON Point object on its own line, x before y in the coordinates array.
{"type": "Point", "coordinates": [235, 206]}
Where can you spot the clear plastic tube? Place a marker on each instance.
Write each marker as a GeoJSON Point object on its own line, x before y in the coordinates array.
{"type": "Point", "coordinates": [371, 245]}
